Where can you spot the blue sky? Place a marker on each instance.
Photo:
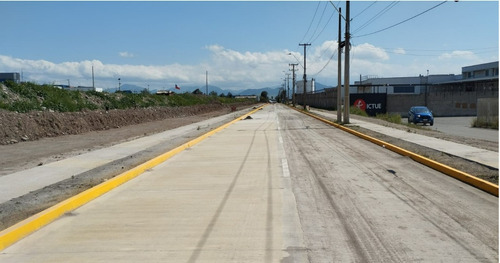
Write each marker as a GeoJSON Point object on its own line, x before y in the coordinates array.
{"type": "Point", "coordinates": [241, 44]}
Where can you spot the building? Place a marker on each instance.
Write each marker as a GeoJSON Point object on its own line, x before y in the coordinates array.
{"type": "Point", "coordinates": [398, 85]}
{"type": "Point", "coordinates": [299, 88]}
{"type": "Point", "coordinates": [445, 95]}
{"type": "Point", "coordinates": [16, 77]}
{"type": "Point", "coordinates": [79, 88]}
{"type": "Point", "coordinates": [481, 71]}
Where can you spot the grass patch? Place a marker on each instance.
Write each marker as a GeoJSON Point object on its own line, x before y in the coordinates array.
{"type": "Point", "coordinates": [357, 111]}
{"type": "Point", "coordinates": [25, 97]}
{"type": "Point", "coordinates": [394, 118]}
{"type": "Point", "coordinates": [483, 123]}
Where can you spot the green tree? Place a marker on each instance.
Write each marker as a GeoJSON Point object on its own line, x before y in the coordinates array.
{"type": "Point", "coordinates": [263, 96]}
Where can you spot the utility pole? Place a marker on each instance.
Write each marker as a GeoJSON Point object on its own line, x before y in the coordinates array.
{"type": "Point", "coordinates": [339, 75]}
{"type": "Point", "coordinates": [206, 82]}
{"type": "Point", "coordinates": [287, 87]}
{"type": "Point", "coordinates": [305, 76]}
{"type": "Point", "coordinates": [347, 103]}
{"type": "Point", "coordinates": [293, 82]}
{"type": "Point", "coordinates": [93, 83]}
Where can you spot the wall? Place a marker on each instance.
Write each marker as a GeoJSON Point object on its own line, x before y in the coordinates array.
{"type": "Point", "coordinates": [461, 100]}
{"type": "Point", "coordinates": [487, 110]}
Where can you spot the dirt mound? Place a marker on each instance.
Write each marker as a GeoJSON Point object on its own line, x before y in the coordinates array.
{"type": "Point", "coordinates": [16, 127]}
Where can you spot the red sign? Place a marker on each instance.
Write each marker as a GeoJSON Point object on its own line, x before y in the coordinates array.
{"type": "Point", "coordinates": [360, 103]}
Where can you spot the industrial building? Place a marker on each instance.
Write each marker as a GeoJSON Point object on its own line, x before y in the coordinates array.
{"type": "Point", "coordinates": [486, 73]}
{"type": "Point", "coordinates": [16, 77]}
{"type": "Point", "coordinates": [446, 95]}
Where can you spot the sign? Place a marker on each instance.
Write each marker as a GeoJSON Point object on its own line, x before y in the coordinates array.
{"type": "Point", "coordinates": [371, 103]}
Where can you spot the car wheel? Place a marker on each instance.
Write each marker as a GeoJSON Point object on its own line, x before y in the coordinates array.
{"type": "Point", "coordinates": [432, 123]}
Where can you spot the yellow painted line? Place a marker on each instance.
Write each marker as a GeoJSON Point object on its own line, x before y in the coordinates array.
{"type": "Point", "coordinates": [20, 230]}
{"type": "Point", "coordinates": [450, 171]}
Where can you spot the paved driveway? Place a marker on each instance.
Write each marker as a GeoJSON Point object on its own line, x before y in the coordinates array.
{"type": "Point", "coordinates": [461, 126]}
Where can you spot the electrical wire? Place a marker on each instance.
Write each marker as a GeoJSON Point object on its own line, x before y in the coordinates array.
{"type": "Point", "coordinates": [406, 20]}
{"type": "Point", "coordinates": [364, 10]}
{"type": "Point", "coordinates": [328, 62]}
{"type": "Point", "coordinates": [317, 25]}
{"type": "Point", "coordinates": [328, 22]}
{"type": "Point", "coordinates": [377, 16]}
{"type": "Point", "coordinates": [314, 17]}
{"type": "Point", "coordinates": [337, 10]}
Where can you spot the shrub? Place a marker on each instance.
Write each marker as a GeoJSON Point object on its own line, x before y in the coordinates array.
{"type": "Point", "coordinates": [357, 111]}
{"type": "Point", "coordinates": [394, 118]}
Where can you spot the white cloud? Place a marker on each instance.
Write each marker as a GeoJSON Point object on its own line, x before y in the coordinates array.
{"type": "Point", "coordinates": [232, 69]}
{"type": "Point", "coordinates": [369, 52]}
{"type": "Point", "coordinates": [126, 54]}
{"type": "Point", "coordinates": [399, 51]}
{"type": "Point", "coordinates": [467, 55]}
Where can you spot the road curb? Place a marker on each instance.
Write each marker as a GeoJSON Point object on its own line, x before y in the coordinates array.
{"type": "Point", "coordinates": [457, 174]}
{"type": "Point", "coordinates": [22, 229]}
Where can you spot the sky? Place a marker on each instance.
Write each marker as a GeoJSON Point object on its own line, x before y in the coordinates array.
{"type": "Point", "coordinates": [241, 44]}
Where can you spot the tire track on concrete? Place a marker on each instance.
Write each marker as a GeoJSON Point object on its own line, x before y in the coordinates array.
{"type": "Point", "coordinates": [428, 208]}
{"type": "Point", "coordinates": [365, 243]}
{"type": "Point", "coordinates": [448, 219]}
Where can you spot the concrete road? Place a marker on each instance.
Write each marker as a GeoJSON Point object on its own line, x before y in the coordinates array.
{"type": "Point", "coordinates": [280, 187]}
{"type": "Point", "coordinates": [461, 126]}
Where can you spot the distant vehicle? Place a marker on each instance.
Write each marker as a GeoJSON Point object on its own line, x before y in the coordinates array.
{"type": "Point", "coordinates": [272, 101]}
{"type": "Point", "coordinates": [420, 114]}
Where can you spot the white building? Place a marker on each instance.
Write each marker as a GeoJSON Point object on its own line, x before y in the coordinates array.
{"type": "Point", "coordinates": [419, 84]}
{"type": "Point", "coordinates": [309, 88]}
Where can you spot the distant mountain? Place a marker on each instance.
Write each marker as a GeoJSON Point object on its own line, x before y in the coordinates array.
{"type": "Point", "coordinates": [320, 86]}
{"type": "Point", "coordinates": [271, 92]}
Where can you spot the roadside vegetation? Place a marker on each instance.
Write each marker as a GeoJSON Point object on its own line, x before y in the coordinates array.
{"type": "Point", "coordinates": [26, 97]}
{"type": "Point", "coordinates": [483, 123]}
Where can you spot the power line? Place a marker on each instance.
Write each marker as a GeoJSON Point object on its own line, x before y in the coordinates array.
{"type": "Point", "coordinates": [444, 50]}
{"type": "Point", "coordinates": [377, 16]}
{"type": "Point", "coordinates": [328, 22]}
{"type": "Point", "coordinates": [319, 22]}
{"type": "Point", "coordinates": [364, 10]}
{"type": "Point", "coordinates": [337, 10]}
{"type": "Point", "coordinates": [328, 62]}
{"type": "Point", "coordinates": [314, 17]}
{"type": "Point", "coordinates": [406, 20]}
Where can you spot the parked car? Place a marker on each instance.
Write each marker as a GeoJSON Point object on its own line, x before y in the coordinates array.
{"type": "Point", "coordinates": [420, 114]}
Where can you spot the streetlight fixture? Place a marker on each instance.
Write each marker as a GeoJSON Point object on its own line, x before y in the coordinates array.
{"type": "Point", "coordinates": [119, 84]}
{"type": "Point", "coordinates": [298, 60]}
